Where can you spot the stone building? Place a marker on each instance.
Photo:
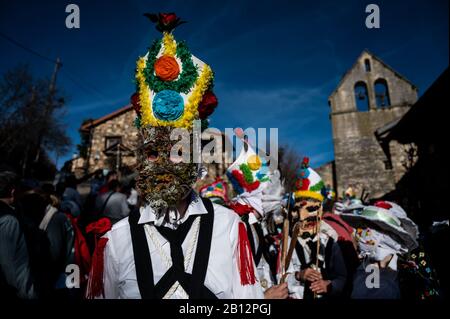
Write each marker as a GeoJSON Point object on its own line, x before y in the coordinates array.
{"type": "Point", "coordinates": [112, 143]}
{"type": "Point", "coordinates": [370, 97]}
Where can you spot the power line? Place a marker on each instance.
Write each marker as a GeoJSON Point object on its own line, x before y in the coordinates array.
{"type": "Point", "coordinates": [80, 83]}
{"type": "Point", "coordinates": [53, 61]}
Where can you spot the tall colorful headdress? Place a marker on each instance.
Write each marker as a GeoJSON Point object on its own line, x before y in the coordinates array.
{"type": "Point", "coordinates": [173, 87]}
{"type": "Point", "coordinates": [309, 183]}
{"type": "Point", "coordinates": [249, 175]}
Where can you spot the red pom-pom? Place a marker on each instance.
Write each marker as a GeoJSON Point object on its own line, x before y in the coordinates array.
{"type": "Point", "coordinates": [136, 102]}
{"type": "Point", "coordinates": [305, 162]}
{"type": "Point", "coordinates": [207, 105]}
{"type": "Point", "coordinates": [384, 205]}
{"type": "Point", "coordinates": [99, 227]}
{"type": "Point", "coordinates": [241, 209]}
{"type": "Point", "coordinates": [302, 184]}
{"type": "Point", "coordinates": [243, 183]}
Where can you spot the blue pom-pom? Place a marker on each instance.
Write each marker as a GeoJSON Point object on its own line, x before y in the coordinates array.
{"type": "Point", "coordinates": [304, 173]}
{"type": "Point", "coordinates": [235, 183]}
{"type": "Point", "coordinates": [168, 105]}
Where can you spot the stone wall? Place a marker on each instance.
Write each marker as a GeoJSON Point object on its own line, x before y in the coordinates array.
{"type": "Point", "coordinates": [121, 125]}
{"type": "Point", "coordinates": [360, 161]}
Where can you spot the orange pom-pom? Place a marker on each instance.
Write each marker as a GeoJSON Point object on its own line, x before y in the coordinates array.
{"type": "Point", "coordinates": [167, 68]}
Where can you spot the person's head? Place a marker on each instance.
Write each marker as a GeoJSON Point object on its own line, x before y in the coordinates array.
{"type": "Point", "coordinates": [162, 181]}
{"type": "Point", "coordinates": [309, 197]}
{"type": "Point", "coordinates": [33, 204]}
{"type": "Point", "coordinates": [114, 185]}
{"type": "Point", "coordinates": [98, 174]}
{"type": "Point", "coordinates": [112, 175]}
{"type": "Point", "coordinates": [172, 96]}
{"type": "Point", "coordinates": [310, 213]}
{"type": "Point", "coordinates": [8, 186]}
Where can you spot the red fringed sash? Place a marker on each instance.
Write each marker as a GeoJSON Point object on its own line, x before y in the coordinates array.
{"type": "Point", "coordinates": [246, 268]}
{"type": "Point", "coordinates": [95, 284]}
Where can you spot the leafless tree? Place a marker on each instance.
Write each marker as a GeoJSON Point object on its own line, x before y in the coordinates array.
{"type": "Point", "coordinates": [289, 162]}
{"type": "Point", "coordinates": [31, 123]}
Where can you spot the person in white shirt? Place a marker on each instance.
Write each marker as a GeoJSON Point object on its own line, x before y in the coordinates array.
{"type": "Point", "coordinates": [255, 196]}
{"type": "Point", "coordinates": [317, 269]}
{"type": "Point", "coordinates": [175, 245]}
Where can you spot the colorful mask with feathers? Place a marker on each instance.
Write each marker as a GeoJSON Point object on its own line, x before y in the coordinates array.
{"type": "Point", "coordinates": [173, 90]}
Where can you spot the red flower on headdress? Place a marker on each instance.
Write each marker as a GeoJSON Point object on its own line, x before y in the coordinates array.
{"type": "Point", "coordinates": [207, 105]}
{"type": "Point", "coordinates": [167, 18]}
{"type": "Point", "coordinates": [165, 22]}
{"type": "Point", "coordinates": [136, 102]}
{"type": "Point", "coordinates": [305, 162]}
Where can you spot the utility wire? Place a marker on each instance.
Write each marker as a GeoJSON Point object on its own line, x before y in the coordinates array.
{"type": "Point", "coordinates": [53, 61]}
{"type": "Point", "coordinates": [80, 83]}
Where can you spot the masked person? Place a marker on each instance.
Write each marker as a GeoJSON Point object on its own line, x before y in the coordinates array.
{"type": "Point", "coordinates": [318, 268]}
{"type": "Point", "coordinates": [383, 233]}
{"type": "Point", "coordinates": [176, 245]}
{"type": "Point", "coordinates": [250, 177]}
{"type": "Point", "coordinates": [216, 192]}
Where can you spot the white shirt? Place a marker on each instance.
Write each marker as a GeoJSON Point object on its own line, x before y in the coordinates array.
{"type": "Point", "coordinates": [222, 276]}
{"type": "Point", "coordinates": [263, 268]}
{"type": "Point", "coordinates": [297, 288]}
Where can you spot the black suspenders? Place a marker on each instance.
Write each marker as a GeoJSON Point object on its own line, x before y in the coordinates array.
{"type": "Point", "coordinates": [193, 284]}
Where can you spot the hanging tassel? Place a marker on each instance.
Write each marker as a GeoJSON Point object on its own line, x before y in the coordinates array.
{"type": "Point", "coordinates": [246, 268]}
{"type": "Point", "coordinates": [95, 283]}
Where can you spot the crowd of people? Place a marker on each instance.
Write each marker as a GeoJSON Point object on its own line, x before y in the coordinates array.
{"type": "Point", "coordinates": [245, 235]}
{"type": "Point", "coordinates": [303, 244]}
{"type": "Point", "coordinates": [43, 230]}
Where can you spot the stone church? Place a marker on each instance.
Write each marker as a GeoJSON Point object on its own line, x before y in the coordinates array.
{"type": "Point", "coordinates": [370, 98]}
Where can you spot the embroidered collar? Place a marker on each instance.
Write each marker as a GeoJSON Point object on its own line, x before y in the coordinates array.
{"type": "Point", "coordinates": [148, 215]}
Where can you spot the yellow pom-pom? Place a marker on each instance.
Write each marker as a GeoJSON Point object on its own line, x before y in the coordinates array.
{"type": "Point", "coordinates": [254, 162]}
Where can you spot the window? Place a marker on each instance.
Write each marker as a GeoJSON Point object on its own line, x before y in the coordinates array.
{"type": "Point", "coordinates": [367, 65]}
{"type": "Point", "coordinates": [382, 93]}
{"type": "Point", "coordinates": [361, 96]}
{"type": "Point", "coordinates": [112, 140]}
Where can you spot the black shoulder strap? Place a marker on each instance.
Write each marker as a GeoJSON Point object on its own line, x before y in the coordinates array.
{"type": "Point", "coordinates": [202, 252]}
{"type": "Point", "coordinates": [142, 259]}
{"type": "Point", "coordinates": [328, 252]}
{"type": "Point", "coordinates": [261, 244]}
{"type": "Point", "coordinates": [102, 211]}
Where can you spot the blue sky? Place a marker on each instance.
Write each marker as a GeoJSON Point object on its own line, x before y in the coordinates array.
{"type": "Point", "coordinates": [275, 62]}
